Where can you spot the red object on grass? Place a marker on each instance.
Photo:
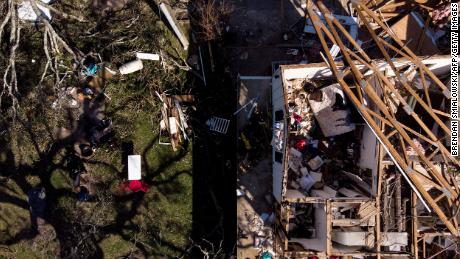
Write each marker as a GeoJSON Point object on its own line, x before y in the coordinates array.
{"type": "Point", "coordinates": [135, 186]}
{"type": "Point", "coordinates": [138, 186]}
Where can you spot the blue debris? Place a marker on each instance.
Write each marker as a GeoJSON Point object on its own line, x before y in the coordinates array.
{"type": "Point", "coordinates": [91, 70]}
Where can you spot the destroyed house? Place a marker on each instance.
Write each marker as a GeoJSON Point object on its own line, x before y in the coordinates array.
{"type": "Point", "coordinates": [361, 161]}
{"type": "Point", "coordinates": [323, 180]}
{"type": "Point", "coordinates": [326, 167]}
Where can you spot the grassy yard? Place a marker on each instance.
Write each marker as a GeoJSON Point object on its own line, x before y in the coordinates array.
{"type": "Point", "coordinates": [155, 225]}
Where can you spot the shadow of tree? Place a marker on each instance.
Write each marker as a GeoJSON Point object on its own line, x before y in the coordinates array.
{"type": "Point", "coordinates": [70, 232]}
{"type": "Point", "coordinates": [79, 239]}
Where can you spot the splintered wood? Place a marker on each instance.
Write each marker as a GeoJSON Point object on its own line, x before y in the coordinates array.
{"type": "Point", "coordinates": [381, 92]}
{"type": "Point", "coordinates": [173, 120]}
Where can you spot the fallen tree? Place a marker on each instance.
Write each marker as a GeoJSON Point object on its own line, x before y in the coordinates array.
{"type": "Point", "coordinates": [55, 48]}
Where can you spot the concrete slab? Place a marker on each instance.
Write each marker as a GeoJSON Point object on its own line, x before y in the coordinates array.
{"type": "Point", "coordinates": [248, 90]}
{"type": "Point", "coordinates": [256, 30]}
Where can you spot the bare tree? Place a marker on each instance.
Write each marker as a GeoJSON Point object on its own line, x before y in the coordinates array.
{"type": "Point", "coordinates": [10, 30]}
{"type": "Point", "coordinates": [208, 17]}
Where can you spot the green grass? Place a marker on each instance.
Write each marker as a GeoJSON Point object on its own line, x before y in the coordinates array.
{"type": "Point", "coordinates": [60, 180]}
{"type": "Point", "coordinates": [166, 214]}
{"type": "Point", "coordinates": [161, 223]}
{"type": "Point", "coordinates": [164, 217]}
{"type": "Point", "coordinates": [114, 246]}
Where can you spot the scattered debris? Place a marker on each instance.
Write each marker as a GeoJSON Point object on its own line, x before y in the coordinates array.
{"type": "Point", "coordinates": [91, 70]}
{"type": "Point", "coordinates": [244, 55]}
{"type": "Point", "coordinates": [134, 167]}
{"type": "Point", "coordinates": [382, 113]}
{"type": "Point", "coordinates": [441, 15]}
{"type": "Point", "coordinates": [148, 56]}
{"type": "Point", "coordinates": [347, 21]}
{"type": "Point", "coordinates": [27, 13]}
{"type": "Point", "coordinates": [315, 163]}
{"type": "Point", "coordinates": [174, 121]}
{"type": "Point", "coordinates": [293, 52]}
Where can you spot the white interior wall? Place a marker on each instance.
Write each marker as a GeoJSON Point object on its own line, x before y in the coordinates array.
{"type": "Point", "coordinates": [278, 104]}
{"type": "Point", "coordinates": [437, 64]}
{"type": "Point", "coordinates": [368, 155]}
{"type": "Point", "coordinates": [318, 243]}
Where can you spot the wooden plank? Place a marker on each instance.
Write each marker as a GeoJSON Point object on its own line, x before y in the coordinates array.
{"type": "Point", "coordinates": [371, 93]}
{"type": "Point", "coordinates": [328, 228]}
{"type": "Point", "coordinates": [414, 225]}
{"type": "Point", "coordinates": [380, 174]}
{"type": "Point", "coordinates": [180, 35]}
{"type": "Point", "coordinates": [401, 44]}
{"type": "Point", "coordinates": [352, 222]}
{"type": "Point", "coordinates": [401, 99]}
{"type": "Point", "coordinates": [367, 210]}
{"type": "Point", "coordinates": [186, 98]}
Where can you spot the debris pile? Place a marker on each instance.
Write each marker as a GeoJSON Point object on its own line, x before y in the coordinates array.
{"type": "Point", "coordinates": [260, 227]}
{"type": "Point", "coordinates": [301, 115]}
{"type": "Point", "coordinates": [318, 155]}
{"type": "Point", "coordinates": [174, 121]}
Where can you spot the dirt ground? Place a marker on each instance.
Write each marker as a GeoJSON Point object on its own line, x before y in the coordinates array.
{"type": "Point", "coordinates": [250, 89]}
{"type": "Point", "coordinates": [256, 183]}
{"type": "Point", "coordinates": [260, 33]}
{"type": "Point", "coordinates": [256, 201]}
{"type": "Point", "coordinates": [256, 38]}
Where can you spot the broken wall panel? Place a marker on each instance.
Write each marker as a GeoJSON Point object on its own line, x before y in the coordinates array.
{"type": "Point", "coordinates": [410, 29]}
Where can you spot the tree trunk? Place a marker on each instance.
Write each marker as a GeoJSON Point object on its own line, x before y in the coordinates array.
{"type": "Point", "coordinates": [211, 58]}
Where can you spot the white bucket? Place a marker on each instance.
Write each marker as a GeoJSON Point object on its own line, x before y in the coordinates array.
{"type": "Point", "coordinates": [131, 67]}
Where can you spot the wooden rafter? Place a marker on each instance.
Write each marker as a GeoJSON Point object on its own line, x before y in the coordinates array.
{"type": "Point", "coordinates": [361, 88]}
